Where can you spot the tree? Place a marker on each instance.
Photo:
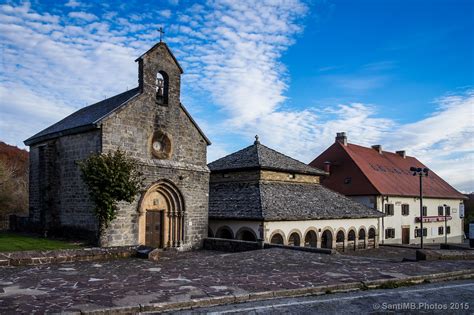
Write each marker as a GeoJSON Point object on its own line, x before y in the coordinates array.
{"type": "Point", "coordinates": [110, 177]}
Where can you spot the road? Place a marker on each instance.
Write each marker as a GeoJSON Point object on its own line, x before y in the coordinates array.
{"type": "Point", "coordinates": [454, 297]}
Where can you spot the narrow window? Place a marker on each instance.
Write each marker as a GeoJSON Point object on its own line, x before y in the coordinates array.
{"type": "Point", "coordinates": [440, 210]}
{"type": "Point", "coordinates": [161, 88]}
{"type": "Point", "coordinates": [440, 230]}
{"type": "Point", "coordinates": [389, 233]}
{"type": "Point", "coordinates": [448, 230]}
{"type": "Point", "coordinates": [389, 209]}
{"type": "Point", "coordinates": [425, 211]}
{"type": "Point", "coordinates": [405, 210]}
{"type": "Point", "coordinates": [448, 210]}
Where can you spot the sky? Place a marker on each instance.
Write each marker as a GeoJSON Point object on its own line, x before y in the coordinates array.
{"type": "Point", "coordinates": [396, 73]}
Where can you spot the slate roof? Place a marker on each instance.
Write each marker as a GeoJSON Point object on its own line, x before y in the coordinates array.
{"type": "Point", "coordinates": [258, 156]}
{"type": "Point", "coordinates": [281, 201]}
{"type": "Point", "coordinates": [383, 174]}
{"type": "Point", "coordinates": [85, 118]}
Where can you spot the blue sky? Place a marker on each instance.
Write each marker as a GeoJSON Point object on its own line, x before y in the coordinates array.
{"type": "Point", "coordinates": [396, 73]}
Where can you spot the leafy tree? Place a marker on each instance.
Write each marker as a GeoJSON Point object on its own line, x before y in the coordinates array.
{"type": "Point", "coordinates": [110, 177]}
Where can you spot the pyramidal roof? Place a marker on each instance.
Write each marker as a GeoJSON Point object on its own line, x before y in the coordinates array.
{"type": "Point", "coordinates": [258, 156]}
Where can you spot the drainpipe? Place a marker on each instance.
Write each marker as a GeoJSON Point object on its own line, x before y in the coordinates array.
{"type": "Point", "coordinates": [383, 222]}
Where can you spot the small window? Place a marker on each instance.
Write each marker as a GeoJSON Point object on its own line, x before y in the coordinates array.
{"type": "Point", "coordinates": [425, 211]}
{"type": "Point", "coordinates": [440, 210]}
{"type": "Point", "coordinates": [405, 210]}
{"type": "Point", "coordinates": [389, 233]}
{"type": "Point", "coordinates": [448, 210]}
{"type": "Point", "coordinates": [417, 232]}
{"type": "Point", "coordinates": [448, 230]}
{"type": "Point", "coordinates": [291, 176]}
{"type": "Point", "coordinates": [440, 230]}
{"type": "Point", "coordinates": [389, 209]}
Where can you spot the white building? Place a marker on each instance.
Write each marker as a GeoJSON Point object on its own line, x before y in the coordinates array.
{"type": "Point", "coordinates": [382, 180]}
{"type": "Point", "coordinates": [258, 193]}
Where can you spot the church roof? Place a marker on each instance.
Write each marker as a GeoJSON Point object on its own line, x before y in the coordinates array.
{"type": "Point", "coordinates": [282, 201]}
{"type": "Point", "coordinates": [258, 156]}
{"type": "Point", "coordinates": [85, 118]}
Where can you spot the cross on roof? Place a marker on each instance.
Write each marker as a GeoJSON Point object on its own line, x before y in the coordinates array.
{"type": "Point", "coordinates": [160, 30]}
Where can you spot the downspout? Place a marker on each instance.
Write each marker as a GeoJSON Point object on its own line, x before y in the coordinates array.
{"type": "Point", "coordinates": [383, 222]}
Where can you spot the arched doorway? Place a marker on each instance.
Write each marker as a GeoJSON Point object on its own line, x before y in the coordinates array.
{"type": "Point", "coordinates": [277, 238]}
{"type": "Point", "coordinates": [361, 238]}
{"type": "Point", "coordinates": [225, 232]}
{"type": "Point", "coordinates": [351, 240]}
{"type": "Point", "coordinates": [161, 216]}
{"type": "Point", "coordinates": [340, 241]}
{"type": "Point", "coordinates": [371, 242]}
{"type": "Point", "coordinates": [310, 239]}
{"type": "Point", "coordinates": [294, 239]}
{"type": "Point", "coordinates": [326, 239]}
{"type": "Point", "coordinates": [246, 234]}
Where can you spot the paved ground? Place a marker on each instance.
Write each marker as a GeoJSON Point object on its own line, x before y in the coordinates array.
{"type": "Point", "coordinates": [455, 297]}
{"type": "Point", "coordinates": [390, 253]}
{"type": "Point", "coordinates": [126, 282]}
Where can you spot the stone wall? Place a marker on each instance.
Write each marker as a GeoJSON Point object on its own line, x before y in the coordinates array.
{"type": "Point", "coordinates": [226, 245]}
{"type": "Point", "coordinates": [58, 197]}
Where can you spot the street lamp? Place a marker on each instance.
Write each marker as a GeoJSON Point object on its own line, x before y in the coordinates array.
{"type": "Point", "coordinates": [420, 172]}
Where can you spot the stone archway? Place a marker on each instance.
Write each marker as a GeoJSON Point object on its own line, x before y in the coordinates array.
{"type": "Point", "coordinates": [326, 239]}
{"type": "Point", "coordinates": [161, 216]}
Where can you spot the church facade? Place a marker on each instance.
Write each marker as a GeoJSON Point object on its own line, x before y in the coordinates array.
{"type": "Point", "coordinates": [150, 124]}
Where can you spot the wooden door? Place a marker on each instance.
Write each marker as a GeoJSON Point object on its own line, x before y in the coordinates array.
{"type": "Point", "coordinates": [405, 235]}
{"type": "Point", "coordinates": [154, 229]}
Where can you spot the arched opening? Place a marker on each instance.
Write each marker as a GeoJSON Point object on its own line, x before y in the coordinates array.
{"type": "Point", "coordinates": [351, 240]}
{"type": "Point", "coordinates": [340, 240]}
{"type": "Point", "coordinates": [326, 239]}
{"type": "Point", "coordinates": [246, 234]}
{"type": "Point", "coordinates": [361, 238]}
{"type": "Point", "coordinates": [310, 239]}
{"type": "Point", "coordinates": [161, 88]}
{"type": "Point", "coordinates": [225, 232]}
{"type": "Point", "coordinates": [161, 216]}
{"type": "Point", "coordinates": [294, 239]}
{"type": "Point", "coordinates": [209, 232]}
{"type": "Point", "coordinates": [371, 242]}
{"type": "Point", "coordinates": [277, 238]}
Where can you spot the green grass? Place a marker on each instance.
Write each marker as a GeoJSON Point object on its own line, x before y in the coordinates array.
{"type": "Point", "coordinates": [10, 242]}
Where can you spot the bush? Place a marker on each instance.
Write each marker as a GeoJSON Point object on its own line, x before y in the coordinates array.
{"type": "Point", "coordinates": [110, 178]}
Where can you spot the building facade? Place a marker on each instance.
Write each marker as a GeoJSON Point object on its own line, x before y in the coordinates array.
{"type": "Point", "coordinates": [260, 194]}
{"type": "Point", "coordinates": [382, 180]}
{"type": "Point", "coordinates": [150, 124]}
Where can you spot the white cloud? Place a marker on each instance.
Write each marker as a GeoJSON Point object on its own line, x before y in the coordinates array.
{"type": "Point", "coordinates": [83, 16]}
{"type": "Point", "coordinates": [73, 4]}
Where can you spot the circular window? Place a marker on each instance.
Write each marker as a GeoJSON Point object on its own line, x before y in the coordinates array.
{"type": "Point", "coordinates": [161, 145]}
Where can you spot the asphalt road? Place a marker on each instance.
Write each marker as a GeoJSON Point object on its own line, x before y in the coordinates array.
{"type": "Point", "coordinates": [455, 297]}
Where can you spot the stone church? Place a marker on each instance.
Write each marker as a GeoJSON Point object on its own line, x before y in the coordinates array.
{"type": "Point", "coordinates": [150, 124]}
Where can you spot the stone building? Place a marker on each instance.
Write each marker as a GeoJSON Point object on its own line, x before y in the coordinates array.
{"type": "Point", "coordinates": [150, 124]}
{"type": "Point", "coordinates": [258, 193]}
{"type": "Point", "coordinates": [382, 180]}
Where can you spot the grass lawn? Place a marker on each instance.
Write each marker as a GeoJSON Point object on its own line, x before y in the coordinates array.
{"type": "Point", "coordinates": [10, 242]}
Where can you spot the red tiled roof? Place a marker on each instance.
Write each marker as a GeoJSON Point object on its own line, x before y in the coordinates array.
{"type": "Point", "coordinates": [390, 173]}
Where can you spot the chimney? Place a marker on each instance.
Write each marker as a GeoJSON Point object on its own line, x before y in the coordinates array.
{"type": "Point", "coordinates": [341, 138]}
{"type": "Point", "coordinates": [377, 147]}
{"type": "Point", "coordinates": [327, 167]}
{"type": "Point", "coordinates": [402, 154]}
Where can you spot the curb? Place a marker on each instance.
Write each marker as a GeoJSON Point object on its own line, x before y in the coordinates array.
{"type": "Point", "coordinates": [268, 295]}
